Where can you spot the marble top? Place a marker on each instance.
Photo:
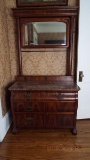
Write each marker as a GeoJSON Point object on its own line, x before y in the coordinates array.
{"type": "Point", "coordinates": [27, 86]}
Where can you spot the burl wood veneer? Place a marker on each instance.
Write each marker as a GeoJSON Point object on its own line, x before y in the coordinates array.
{"type": "Point", "coordinates": [44, 103]}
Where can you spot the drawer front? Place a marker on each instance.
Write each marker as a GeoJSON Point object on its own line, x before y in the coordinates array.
{"type": "Point", "coordinates": [59, 121]}
{"type": "Point", "coordinates": [65, 106]}
{"type": "Point", "coordinates": [43, 96]}
{"type": "Point", "coordinates": [50, 106]}
{"type": "Point", "coordinates": [60, 96]}
{"type": "Point", "coordinates": [27, 120]}
{"type": "Point", "coordinates": [21, 95]}
{"type": "Point", "coordinates": [29, 106]}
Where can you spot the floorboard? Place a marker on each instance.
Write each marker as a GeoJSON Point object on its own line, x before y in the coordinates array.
{"type": "Point", "coordinates": [47, 144]}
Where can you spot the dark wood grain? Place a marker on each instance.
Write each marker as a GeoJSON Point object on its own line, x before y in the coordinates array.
{"type": "Point", "coordinates": [45, 78]}
{"type": "Point", "coordinates": [48, 12]}
{"type": "Point", "coordinates": [51, 103]}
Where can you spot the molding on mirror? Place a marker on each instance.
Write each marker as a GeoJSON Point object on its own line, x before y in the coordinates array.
{"type": "Point", "coordinates": [41, 14]}
{"type": "Point", "coordinates": [25, 15]}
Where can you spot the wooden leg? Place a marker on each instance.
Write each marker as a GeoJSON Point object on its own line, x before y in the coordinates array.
{"type": "Point", "coordinates": [14, 130]}
{"type": "Point", "coordinates": [74, 131]}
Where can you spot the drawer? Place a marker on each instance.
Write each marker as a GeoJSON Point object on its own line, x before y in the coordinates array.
{"type": "Point", "coordinates": [20, 95]}
{"type": "Point", "coordinates": [65, 106]}
{"type": "Point", "coordinates": [59, 121]}
{"type": "Point", "coordinates": [28, 120]}
{"type": "Point", "coordinates": [61, 96]}
{"type": "Point", "coordinates": [29, 106]}
{"type": "Point", "coordinates": [42, 96]}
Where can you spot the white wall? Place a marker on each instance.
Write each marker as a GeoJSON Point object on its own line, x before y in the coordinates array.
{"type": "Point", "coordinates": [50, 27]}
{"type": "Point", "coordinates": [4, 123]}
{"type": "Point", "coordinates": [84, 59]}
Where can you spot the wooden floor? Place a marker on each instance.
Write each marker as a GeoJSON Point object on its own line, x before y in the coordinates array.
{"type": "Point", "coordinates": [47, 145]}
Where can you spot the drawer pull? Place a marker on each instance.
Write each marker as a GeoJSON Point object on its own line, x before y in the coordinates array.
{"type": "Point", "coordinates": [28, 95]}
{"type": "Point", "coordinates": [60, 96]}
{"type": "Point", "coordinates": [28, 108]}
{"type": "Point", "coordinates": [29, 120]}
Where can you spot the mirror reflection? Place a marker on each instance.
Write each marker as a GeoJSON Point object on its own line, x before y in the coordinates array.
{"type": "Point", "coordinates": [41, 33]}
{"type": "Point", "coordinates": [38, 1]}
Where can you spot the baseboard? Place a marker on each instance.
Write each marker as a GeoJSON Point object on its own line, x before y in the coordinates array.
{"type": "Point", "coordinates": [84, 119]}
{"type": "Point", "coordinates": [5, 123]}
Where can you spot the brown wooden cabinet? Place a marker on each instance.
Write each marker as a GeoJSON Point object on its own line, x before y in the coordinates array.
{"type": "Point", "coordinates": [44, 104]}
{"type": "Point", "coordinates": [46, 101]}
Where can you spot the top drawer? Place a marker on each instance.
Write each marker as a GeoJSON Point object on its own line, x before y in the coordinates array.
{"type": "Point", "coordinates": [17, 95]}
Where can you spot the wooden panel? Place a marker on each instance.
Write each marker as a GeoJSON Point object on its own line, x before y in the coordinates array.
{"type": "Point", "coordinates": [59, 121]}
{"type": "Point", "coordinates": [28, 120]}
{"type": "Point", "coordinates": [43, 96]}
{"type": "Point", "coordinates": [29, 106]}
{"type": "Point", "coordinates": [45, 12]}
{"type": "Point", "coordinates": [64, 106]}
{"type": "Point", "coordinates": [44, 78]}
{"type": "Point", "coordinates": [50, 106]}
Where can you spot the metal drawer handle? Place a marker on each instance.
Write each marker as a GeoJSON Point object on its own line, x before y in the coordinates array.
{"type": "Point", "coordinates": [30, 120]}
{"type": "Point", "coordinates": [28, 95]}
{"type": "Point", "coordinates": [29, 108]}
{"type": "Point", "coordinates": [60, 96]}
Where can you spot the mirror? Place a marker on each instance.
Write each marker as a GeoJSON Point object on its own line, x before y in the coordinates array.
{"type": "Point", "coordinates": [45, 33]}
{"type": "Point", "coordinates": [37, 1]}
{"type": "Point", "coordinates": [41, 2]}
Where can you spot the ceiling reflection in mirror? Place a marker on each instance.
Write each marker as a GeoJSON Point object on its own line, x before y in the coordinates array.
{"type": "Point", "coordinates": [45, 33]}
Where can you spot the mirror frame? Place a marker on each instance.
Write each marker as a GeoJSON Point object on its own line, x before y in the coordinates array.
{"type": "Point", "coordinates": [23, 22]}
{"type": "Point", "coordinates": [48, 3]}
